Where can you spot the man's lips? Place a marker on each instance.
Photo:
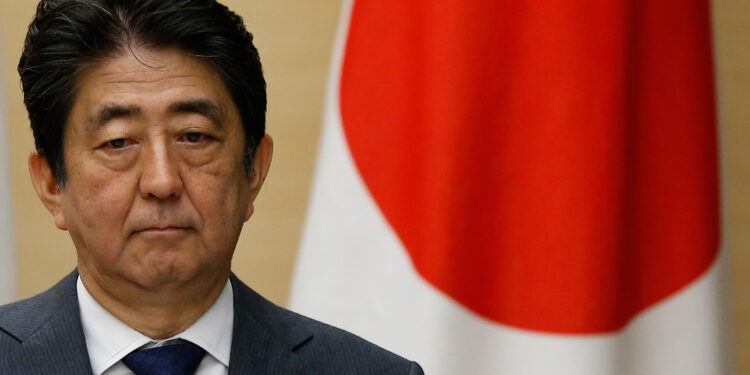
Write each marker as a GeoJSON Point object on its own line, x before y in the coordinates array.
{"type": "Point", "coordinates": [165, 229]}
{"type": "Point", "coordinates": [162, 229]}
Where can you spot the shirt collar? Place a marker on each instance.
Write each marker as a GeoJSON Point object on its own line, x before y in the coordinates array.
{"type": "Point", "coordinates": [108, 339]}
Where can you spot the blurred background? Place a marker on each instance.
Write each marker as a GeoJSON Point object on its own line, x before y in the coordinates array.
{"type": "Point", "coordinates": [295, 40]}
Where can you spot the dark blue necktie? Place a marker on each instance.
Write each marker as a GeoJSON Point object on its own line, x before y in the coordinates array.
{"type": "Point", "coordinates": [176, 359]}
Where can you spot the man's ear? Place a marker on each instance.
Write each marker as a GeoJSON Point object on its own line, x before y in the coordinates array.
{"type": "Point", "coordinates": [46, 187]}
{"type": "Point", "coordinates": [261, 164]}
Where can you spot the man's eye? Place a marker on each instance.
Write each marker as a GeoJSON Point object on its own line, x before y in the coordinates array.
{"type": "Point", "coordinates": [117, 143]}
{"type": "Point", "coordinates": [195, 137]}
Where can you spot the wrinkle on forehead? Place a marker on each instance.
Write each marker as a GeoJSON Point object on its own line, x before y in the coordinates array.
{"type": "Point", "coordinates": [128, 73]}
{"type": "Point", "coordinates": [208, 108]}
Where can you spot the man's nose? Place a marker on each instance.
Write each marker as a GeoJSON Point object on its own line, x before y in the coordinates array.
{"type": "Point", "coordinates": [160, 178]}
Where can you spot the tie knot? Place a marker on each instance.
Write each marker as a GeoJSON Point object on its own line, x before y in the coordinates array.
{"type": "Point", "coordinates": [175, 359]}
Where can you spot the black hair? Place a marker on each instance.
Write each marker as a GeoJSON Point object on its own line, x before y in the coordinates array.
{"type": "Point", "coordinates": [65, 36]}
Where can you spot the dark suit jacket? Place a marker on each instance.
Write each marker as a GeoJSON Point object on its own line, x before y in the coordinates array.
{"type": "Point", "coordinates": [43, 335]}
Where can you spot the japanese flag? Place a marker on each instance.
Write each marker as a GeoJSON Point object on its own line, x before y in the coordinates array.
{"type": "Point", "coordinates": [521, 187]}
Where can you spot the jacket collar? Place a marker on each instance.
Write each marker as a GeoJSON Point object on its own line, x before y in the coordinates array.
{"type": "Point", "coordinates": [264, 335]}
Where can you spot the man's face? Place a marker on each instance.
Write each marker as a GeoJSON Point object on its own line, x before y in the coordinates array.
{"type": "Point", "coordinates": [156, 189]}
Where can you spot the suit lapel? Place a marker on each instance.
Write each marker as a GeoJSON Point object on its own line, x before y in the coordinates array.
{"type": "Point", "coordinates": [263, 341]}
{"type": "Point", "coordinates": [49, 329]}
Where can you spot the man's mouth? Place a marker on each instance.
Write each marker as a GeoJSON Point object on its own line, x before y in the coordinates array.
{"type": "Point", "coordinates": [162, 230]}
{"type": "Point", "coordinates": [165, 229]}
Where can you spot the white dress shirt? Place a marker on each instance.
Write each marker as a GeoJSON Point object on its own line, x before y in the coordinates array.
{"type": "Point", "coordinates": [108, 339]}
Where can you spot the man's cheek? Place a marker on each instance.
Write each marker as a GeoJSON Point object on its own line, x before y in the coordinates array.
{"type": "Point", "coordinates": [98, 205]}
{"type": "Point", "coordinates": [214, 183]}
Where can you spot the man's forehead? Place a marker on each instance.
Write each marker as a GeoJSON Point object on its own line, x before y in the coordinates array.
{"type": "Point", "coordinates": [147, 67]}
{"type": "Point", "coordinates": [130, 83]}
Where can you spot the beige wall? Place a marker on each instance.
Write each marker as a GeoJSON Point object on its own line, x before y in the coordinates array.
{"type": "Point", "coordinates": [732, 44]}
{"type": "Point", "coordinates": [295, 39]}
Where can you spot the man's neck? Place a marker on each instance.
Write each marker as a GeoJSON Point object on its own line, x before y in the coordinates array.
{"type": "Point", "coordinates": [158, 313]}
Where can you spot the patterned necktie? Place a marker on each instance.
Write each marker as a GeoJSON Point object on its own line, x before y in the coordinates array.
{"type": "Point", "coordinates": [176, 359]}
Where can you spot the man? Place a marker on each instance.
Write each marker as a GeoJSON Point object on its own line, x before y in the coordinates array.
{"type": "Point", "coordinates": [148, 118]}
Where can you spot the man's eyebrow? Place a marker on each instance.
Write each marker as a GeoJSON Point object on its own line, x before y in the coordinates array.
{"type": "Point", "coordinates": [109, 112]}
{"type": "Point", "coordinates": [203, 107]}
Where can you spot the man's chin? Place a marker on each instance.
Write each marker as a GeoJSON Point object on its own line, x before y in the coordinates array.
{"type": "Point", "coordinates": [164, 269]}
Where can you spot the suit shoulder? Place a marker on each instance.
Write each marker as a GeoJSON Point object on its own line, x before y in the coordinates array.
{"type": "Point", "coordinates": [18, 320]}
{"type": "Point", "coordinates": [330, 344]}
{"type": "Point", "coordinates": [319, 345]}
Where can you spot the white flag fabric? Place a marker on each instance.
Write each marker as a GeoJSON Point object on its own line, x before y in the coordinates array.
{"type": "Point", "coordinates": [7, 250]}
{"type": "Point", "coordinates": [521, 187]}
